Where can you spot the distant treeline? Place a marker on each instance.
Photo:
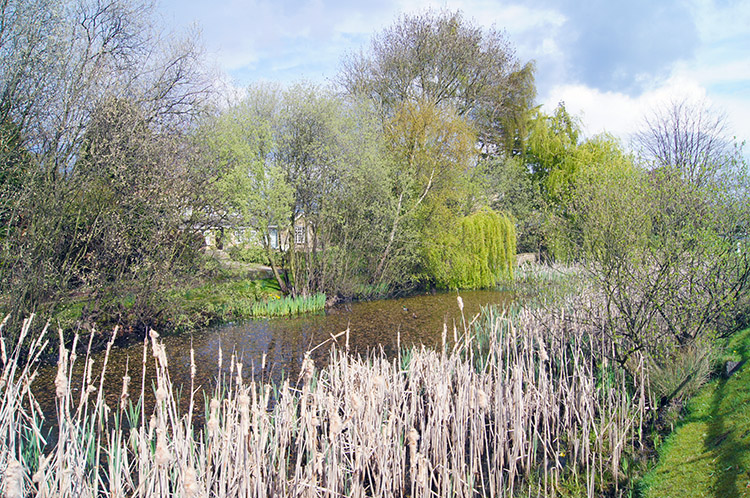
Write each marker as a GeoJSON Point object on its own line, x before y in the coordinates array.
{"type": "Point", "coordinates": [427, 164]}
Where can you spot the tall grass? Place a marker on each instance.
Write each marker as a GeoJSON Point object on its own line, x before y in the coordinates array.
{"type": "Point", "coordinates": [515, 405]}
{"type": "Point", "coordinates": [289, 305]}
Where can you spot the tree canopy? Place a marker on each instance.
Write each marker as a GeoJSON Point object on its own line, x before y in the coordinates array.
{"type": "Point", "coordinates": [440, 59]}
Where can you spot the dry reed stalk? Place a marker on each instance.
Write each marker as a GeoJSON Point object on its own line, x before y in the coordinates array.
{"type": "Point", "coordinates": [492, 416]}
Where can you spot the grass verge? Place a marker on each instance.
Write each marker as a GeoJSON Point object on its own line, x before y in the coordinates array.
{"type": "Point", "coordinates": [708, 454]}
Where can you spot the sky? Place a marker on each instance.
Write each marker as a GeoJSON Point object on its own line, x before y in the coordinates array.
{"type": "Point", "coordinates": [612, 62]}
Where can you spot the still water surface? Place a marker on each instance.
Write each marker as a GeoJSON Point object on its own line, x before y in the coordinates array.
{"type": "Point", "coordinates": [284, 341]}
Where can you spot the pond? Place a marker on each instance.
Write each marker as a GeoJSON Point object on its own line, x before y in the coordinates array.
{"type": "Point", "coordinates": [372, 325]}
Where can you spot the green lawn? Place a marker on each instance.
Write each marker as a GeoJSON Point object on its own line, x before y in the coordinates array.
{"type": "Point", "coordinates": [708, 455]}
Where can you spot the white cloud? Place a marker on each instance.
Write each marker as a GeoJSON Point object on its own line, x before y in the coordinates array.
{"type": "Point", "coordinates": [284, 40]}
{"type": "Point", "coordinates": [516, 19]}
{"type": "Point", "coordinates": [718, 74]}
{"type": "Point", "coordinates": [622, 115]}
{"type": "Point", "coordinates": [550, 47]}
{"type": "Point", "coordinates": [721, 21]}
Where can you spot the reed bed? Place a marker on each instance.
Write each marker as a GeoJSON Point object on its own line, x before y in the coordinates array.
{"type": "Point", "coordinates": [289, 305]}
{"type": "Point", "coordinates": [508, 406]}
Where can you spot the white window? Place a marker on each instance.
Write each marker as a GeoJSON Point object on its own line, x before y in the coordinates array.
{"type": "Point", "coordinates": [299, 234]}
{"type": "Point", "coordinates": [273, 236]}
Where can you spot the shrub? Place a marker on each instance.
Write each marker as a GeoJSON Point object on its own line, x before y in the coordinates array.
{"type": "Point", "coordinates": [249, 253]}
{"type": "Point", "coordinates": [682, 373]}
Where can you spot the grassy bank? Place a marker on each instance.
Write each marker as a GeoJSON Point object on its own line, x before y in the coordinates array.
{"type": "Point", "coordinates": [708, 454]}
{"type": "Point", "coordinates": [186, 306]}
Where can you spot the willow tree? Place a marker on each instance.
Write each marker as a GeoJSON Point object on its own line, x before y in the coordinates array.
{"type": "Point", "coordinates": [475, 254]}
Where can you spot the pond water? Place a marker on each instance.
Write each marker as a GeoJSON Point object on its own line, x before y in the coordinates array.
{"type": "Point", "coordinates": [283, 341]}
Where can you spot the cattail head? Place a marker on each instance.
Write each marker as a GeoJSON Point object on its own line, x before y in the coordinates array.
{"type": "Point", "coordinates": [124, 394]}
{"type": "Point", "coordinates": [543, 353]}
{"type": "Point", "coordinates": [482, 400]}
{"type": "Point", "coordinates": [412, 437]}
{"type": "Point", "coordinates": [89, 370]}
{"type": "Point", "coordinates": [319, 459]}
{"type": "Point", "coordinates": [193, 368]}
{"type": "Point", "coordinates": [161, 394]}
{"type": "Point", "coordinates": [356, 403]}
{"type": "Point", "coordinates": [460, 303]}
{"type": "Point", "coordinates": [154, 335]}
{"type": "Point", "coordinates": [14, 475]}
{"type": "Point", "coordinates": [190, 481]}
{"type": "Point", "coordinates": [212, 425]}
{"type": "Point", "coordinates": [3, 354]}
{"type": "Point", "coordinates": [213, 419]}
{"type": "Point", "coordinates": [378, 383]}
{"type": "Point", "coordinates": [163, 356]}
{"type": "Point", "coordinates": [336, 425]}
{"type": "Point", "coordinates": [61, 382]}
{"type": "Point", "coordinates": [244, 401]}
{"type": "Point", "coordinates": [38, 476]}
{"type": "Point", "coordinates": [422, 470]}
{"type": "Point", "coordinates": [162, 456]}
{"type": "Point", "coordinates": [239, 373]}
{"type": "Point", "coordinates": [308, 369]}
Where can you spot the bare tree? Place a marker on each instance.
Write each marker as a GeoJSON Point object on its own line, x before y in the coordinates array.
{"type": "Point", "coordinates": [666, 245]}
{"type": "Point", "coordinates": [61, 60]}
{"type": "Point", "coordinates": [688, 136]}
{"type": "Point", "coordinates": [81, 83]}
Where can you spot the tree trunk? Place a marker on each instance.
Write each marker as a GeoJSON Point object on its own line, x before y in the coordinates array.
{"type": "Point", "coordinates": [276, 274]}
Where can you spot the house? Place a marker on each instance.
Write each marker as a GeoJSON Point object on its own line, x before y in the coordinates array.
{"type": "Point", "coordinates": [227, 234]}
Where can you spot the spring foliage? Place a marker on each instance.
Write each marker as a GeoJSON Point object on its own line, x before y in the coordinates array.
{"type": "Point", "coordinates": [476, 254]}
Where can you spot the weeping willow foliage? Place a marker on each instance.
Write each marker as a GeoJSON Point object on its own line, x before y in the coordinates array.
{"type": "Point", "coordinates": [476, 254]}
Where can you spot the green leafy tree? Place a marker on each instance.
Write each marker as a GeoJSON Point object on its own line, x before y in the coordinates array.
{"type": "Point", "coordinates": [551, 150]}
{"type": "Point", "coordinates": [358, 214]}
{"type": "Point", "coordinates": [514, 192]}
{"type": "Point", "coordinates": [247, 188]}
{"type": "Point", "coordinates": [556, 162]}
{"type": "Point", "coordinates": [309, 133]}
{"type": "Point", "coordinates": [431, 148]}
{"type": "Point", "coordinates": [447, 92]}
{"type": "Point", "coordinates": [440, 59]}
